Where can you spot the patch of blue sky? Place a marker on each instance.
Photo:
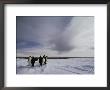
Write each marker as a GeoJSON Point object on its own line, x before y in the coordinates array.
{"type": "Point", "coordinates": [27, 44]}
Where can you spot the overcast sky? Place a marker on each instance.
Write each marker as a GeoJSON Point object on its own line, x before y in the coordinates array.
{"type": "Point", "coordinates": [55, 36]}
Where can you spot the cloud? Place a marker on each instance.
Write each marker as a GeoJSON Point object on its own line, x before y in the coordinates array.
{"type": "Point", "coordinates": [40, 29]}
{"type": "Point", "coordinates": [78, 34]}
{"type": "Point", "coordinates": [55, 36]}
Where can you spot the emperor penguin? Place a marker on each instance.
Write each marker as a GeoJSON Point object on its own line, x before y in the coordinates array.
{"type": "Point", "coordinates": [29, 60]}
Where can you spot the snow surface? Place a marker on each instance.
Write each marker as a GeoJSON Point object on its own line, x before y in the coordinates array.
{"type": "Point", "coordinates": [57, 66]}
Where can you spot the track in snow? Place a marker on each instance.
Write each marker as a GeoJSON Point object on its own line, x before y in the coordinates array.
{"type": "Point", "coordinates": [57, 66]}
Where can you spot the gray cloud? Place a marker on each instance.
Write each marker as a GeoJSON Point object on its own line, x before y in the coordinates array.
{"type": "Point", "coordinates": [61, 34]}
{"type": "Point", "coordinates": [78, 34]}
{"type": "Point", "coordinates": [40, 29]}
{"type": "Point", "coordinates": [61, 44]}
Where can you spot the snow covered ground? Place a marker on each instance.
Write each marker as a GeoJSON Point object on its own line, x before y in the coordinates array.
{"type": "Point", "coordinates": [57, 66]}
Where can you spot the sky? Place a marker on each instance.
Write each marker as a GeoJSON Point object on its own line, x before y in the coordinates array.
{"type": "Point", "coordinates": [71, 36]}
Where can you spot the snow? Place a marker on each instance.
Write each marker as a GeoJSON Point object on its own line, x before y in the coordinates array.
{"type": "Point", "coordinates": [57, 66]}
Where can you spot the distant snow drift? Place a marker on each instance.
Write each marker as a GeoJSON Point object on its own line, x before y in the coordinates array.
{"type": "Point", "coordinates": [57, 66]}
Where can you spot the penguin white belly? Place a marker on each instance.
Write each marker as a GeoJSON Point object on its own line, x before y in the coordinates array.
{"type": "Point", "coordinates": [29, 61]}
